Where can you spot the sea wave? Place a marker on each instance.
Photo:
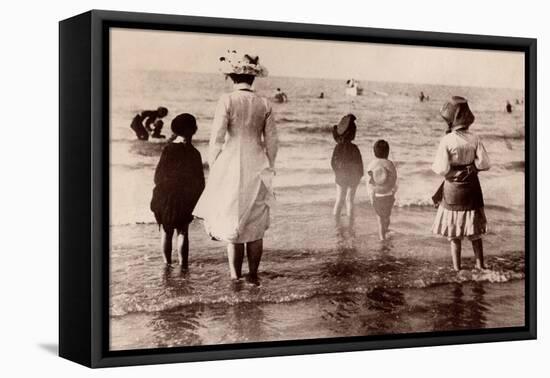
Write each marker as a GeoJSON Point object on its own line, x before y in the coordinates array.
{"type": "Point", "coordinates": [312, 130]}
{"type": "Point", "coordinates": [356, 277]}
{"type": "Point", "coordinates": [293, 120]}
{"type": "Point", "coordinates": [144, 148]}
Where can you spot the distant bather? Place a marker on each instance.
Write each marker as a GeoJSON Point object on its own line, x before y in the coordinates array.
{"type": "Point", "coordinates": [280, 96]}
{"type": "Point", "coordinates": [508, 107]}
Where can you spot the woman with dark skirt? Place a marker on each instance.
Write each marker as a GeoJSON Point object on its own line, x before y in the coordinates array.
{"type": "Point", "coordinates": [460, 156]}
{"type": "Point", "coordinates": [179, 182]}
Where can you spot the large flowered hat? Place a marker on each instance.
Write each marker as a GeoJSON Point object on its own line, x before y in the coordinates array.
{"type": "Point", "coordinates": [457, 113]}
{"type": "Point", "coordinates": [242, 64]}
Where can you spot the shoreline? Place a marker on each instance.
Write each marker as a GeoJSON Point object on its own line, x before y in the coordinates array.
{"type": "Point", "coordinates": [448, 307]}
{"type": "Point", "coordinates": [310, 264]}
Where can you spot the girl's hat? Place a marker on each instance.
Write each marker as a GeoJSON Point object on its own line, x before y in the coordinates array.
{"type": "Point", "coordinates": [184, 125]}
{"type": "Point", "coordinates": [234, 63]}
{"type": "Point", "coordinates": [347, 121]}
{"type": "Point", "coordinates": [457, 113]}
{"type": "Point", "coordinates": [345, 130]}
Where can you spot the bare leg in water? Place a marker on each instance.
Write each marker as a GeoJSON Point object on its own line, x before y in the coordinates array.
{"type": "Point", "coordinates": [183, 247]}
{"type": "Point", "coordinates": [350, 204]}
{"type": "Point", "coordinates": [383, 225]}
{"type": "Point", "coordinates": [477, 245]}
{"type": "Point", "coordinates": [339, 204]}
{"type": "Point", "coordinates": [456, 249]}
{"type": "Point", "coordinates": [166, 244]}
{"type": "Point", "coordinates": [254, 252]}
{"type": "Point", "coordinates": [235, 256]}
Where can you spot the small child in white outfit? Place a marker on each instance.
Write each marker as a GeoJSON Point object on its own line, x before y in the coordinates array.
{"type": "Point", "coordinates": [382, 185]}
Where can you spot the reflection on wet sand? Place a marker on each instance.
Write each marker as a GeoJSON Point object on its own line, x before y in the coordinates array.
{"type": "Point", "coordinates": [381, 309]}
{"type": "Point", "coordinates": [242, 322]}
{"type": "Point", "coordinates": [466, 308]}
{"type": "Point", "coordinates": [354, 286]}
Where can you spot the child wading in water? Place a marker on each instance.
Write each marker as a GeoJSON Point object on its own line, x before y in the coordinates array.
{"type": "Point", "coordinates": [347, 164]}
{"type": "Point", "coordinates": [179, 182]}
{"type": "Point", "coordinates": [459, 158]}
{"type": "Point", "coordinates": [381, 185]}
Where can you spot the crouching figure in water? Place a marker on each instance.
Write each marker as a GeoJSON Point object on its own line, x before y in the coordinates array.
{"type": "Point", "coordinates": [149, 121]}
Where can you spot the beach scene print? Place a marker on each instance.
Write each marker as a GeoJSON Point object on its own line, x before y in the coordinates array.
{"type": "Point", "coordinates": [300, 228]}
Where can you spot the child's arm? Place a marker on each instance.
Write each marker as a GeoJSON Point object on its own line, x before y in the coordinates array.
{"type": "Point", "coordinates": [441, 164]}
{"type": "Point", "coordinates": [333, 159]}
{"type": "Point", "coordinates": [482, 162]}
{"type": "Point", "coordinates": [361, 169]}
{"type": "Point", "coordinates": [200, 169]}
{"type": "Point", "coordinates": [159, 170]}
{"type": "Point", "coordinates": [370, 187]}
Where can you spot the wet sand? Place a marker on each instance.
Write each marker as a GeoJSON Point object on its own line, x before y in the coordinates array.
{"type": "Point", "coordinates": [316, 280]}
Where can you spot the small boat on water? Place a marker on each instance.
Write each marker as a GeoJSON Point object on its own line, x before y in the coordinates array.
{"type": "Point", "coordinates": [353, 88]}
{"type": "Point", "coordinates": [354, 91]}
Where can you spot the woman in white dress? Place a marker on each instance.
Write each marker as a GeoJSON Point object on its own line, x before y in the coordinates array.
{"type": "Point", "coordinates": [243, 145]}
{"type": "Point", "coordinates": [460, 156]}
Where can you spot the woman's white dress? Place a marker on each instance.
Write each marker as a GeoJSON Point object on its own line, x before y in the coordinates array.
{"type": "Point", "coordinates": [243, 145]}
{"type": "Point", "coordinates": [460, 147]}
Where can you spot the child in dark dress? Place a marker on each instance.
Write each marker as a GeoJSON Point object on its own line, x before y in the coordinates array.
{"type": "Point", "coordinates": [179, 182]}
{"type": "Point", "coordinates": [347, 165]}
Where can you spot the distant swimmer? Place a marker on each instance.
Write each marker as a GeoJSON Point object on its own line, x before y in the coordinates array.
{"type": "Point", "coordinates": [508, 107]}
{"type": "Point", "coordinates": [421, 97]}
{"type": "Point", "coordinates": [428, 98]}
{"type": "Point", "coordinates": [149, 121]}
{"type": "Point", "coordinates": [322, 95]}
{"type": "Point", "coordinates": [280, 96]}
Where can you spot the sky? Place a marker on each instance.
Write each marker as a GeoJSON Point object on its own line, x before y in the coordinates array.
{"type": "Point", "coordinates": [137, 49]}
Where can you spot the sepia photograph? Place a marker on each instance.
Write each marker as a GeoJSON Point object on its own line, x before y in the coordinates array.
{"type": "Point", "coordinates": [272, 189]}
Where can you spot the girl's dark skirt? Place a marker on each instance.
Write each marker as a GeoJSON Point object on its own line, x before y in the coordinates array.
{"type": "Point", "coordinates": [173, 209]}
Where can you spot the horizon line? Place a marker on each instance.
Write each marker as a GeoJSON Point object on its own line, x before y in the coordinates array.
{"type": "Point", "coordinates": [336, 79]}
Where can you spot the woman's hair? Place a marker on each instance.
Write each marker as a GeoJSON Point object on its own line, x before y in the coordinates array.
{"type": "Point", "coordinates": [162, 111]}
{"type": "Point", "coordinates": [242, 78]}
{"type": "Point", "coordinates": [381, 149]}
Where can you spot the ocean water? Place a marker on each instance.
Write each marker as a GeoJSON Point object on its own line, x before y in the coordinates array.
{"type": "Point", "coordinates": [317, 280]}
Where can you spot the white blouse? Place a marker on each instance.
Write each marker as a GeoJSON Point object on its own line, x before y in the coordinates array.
{"type": "Point", "coordinates": [460, 147]}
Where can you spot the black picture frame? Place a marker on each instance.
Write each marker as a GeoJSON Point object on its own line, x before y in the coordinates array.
{"type": "Point", "coordinates": [84, 187]}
